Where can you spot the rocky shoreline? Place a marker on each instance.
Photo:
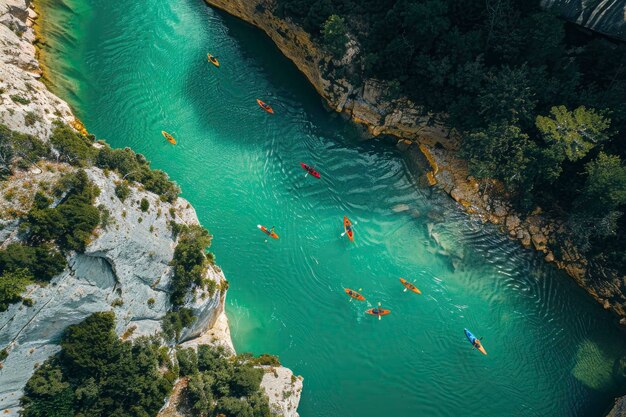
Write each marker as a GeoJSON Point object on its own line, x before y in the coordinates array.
{"type": "Point", "coordinates": [430, 145]}
{"type": "Point", "coordinates": [126, 266]}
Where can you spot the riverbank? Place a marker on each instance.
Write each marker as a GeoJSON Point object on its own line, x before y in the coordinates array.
{"type": "Point", "coordinates": [430, 146]}
{"type": "Point", "coordinates": [126, 265]}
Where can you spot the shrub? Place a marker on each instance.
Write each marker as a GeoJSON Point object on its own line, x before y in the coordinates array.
{"type": "Point", "coordinates": [122, 190]}
{"type": "Point", "coordinates": [19, 99]}
{"type": "Point", "coordinates": [175, 321]}
{"type": "Point", "coordinates": [246, 380]}
{"type": "Point", "coordinates": [135, 167]}
{"type": "Point", "coordinates": [12, 285]}
{"type": "Point", "coordinates": [19, 146]}
{"type": "Point", "coordinates": [334, 32]}
{"type": "Point", "coordinates": [144, 205]}
{"type": "Point", "coordinates": [187, 361]}
{"type": "Point", "coordinates": [189, 262]}
{"type": "Point", "coordinates": [199, 394]}
{"type": "Point", "coordinates": [42, 262]}
{"type": "Point", "coordinates": [234, 407]}
{"type": "Point", "coordinates": [150, 302]}
{"type": "Point", "coordinates": [30, 118]}
{"type": "Point", "coordinates": [72, 146]}
{"type": "Point", "coordinates": [72, 222]}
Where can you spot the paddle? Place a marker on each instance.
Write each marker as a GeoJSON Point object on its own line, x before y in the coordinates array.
{"type": "Point", "coordinates": [405, 288]}
{"type": "Point", "coordinates": [307, 172]}
{"type": "Point", "coordinates": [474, 347]}
{"type": "Point", "coordinates": [353, 224]}
{"type": "Point", "coordinates": [379, 316]}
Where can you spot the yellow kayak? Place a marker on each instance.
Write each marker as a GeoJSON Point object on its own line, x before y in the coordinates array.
{"type": "Point", "coordinates": [169, 137]}
{"type": "Point", "coordinates": [213, 60]}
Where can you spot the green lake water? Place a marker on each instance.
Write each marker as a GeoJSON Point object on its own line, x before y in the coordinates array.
{"type": "Point", "coordinates": [132, 69]}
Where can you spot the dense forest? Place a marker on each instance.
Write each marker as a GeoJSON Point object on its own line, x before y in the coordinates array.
{"type": "Point", "coordinates": [97, 374]}
{"type": "Point", "coordinates": [539, 104]}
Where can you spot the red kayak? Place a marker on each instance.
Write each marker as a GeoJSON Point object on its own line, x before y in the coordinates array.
{"type": "Point", "coordinates": [347, 226]}
{"type": "Point", "coordinates": [310, 170]}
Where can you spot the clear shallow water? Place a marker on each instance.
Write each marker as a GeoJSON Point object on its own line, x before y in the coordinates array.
{"type": "Point", "coordinates": [131, 69]}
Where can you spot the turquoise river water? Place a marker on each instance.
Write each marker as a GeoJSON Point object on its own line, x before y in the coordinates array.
{"type": "Point", "coordinates": [132, 69]}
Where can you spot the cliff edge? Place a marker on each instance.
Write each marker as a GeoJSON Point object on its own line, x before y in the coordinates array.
{"type": "Point", "coordinates": [125, 268]}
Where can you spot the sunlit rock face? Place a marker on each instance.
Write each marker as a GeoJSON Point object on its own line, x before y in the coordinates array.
{"type": "Point", "coordinates": [125, 268]}
{"type": "Point", "coordinates": [604, 16]}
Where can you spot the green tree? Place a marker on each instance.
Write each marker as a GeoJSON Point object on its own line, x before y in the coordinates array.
{"type": "Point", "coordinates": [12, 285]}
{"type": "Point", "coordinates": [335, 35]}
{"type": "Point", "coordinates": [507, 95]}
{"type": "Point", "coordinates": [88, 347]}
{"type": "Point", "coordinates": [47, 393]}
{"type": "Point", "coordinates": [605, 188]}
{"type": "Point", "coordinates": [187, 361]}
{"type": "Point", "coordinates": [72, 222]}
{"type": "Point", "coordinates": [175, 321]}
{"type": "Point", "coordinates": [42, 262]}
{"type": "Point", "coordinates": [501, 152]}
{"type": "Point", "coordinates": [72, 146]}
{"type": "Point", "coordinates": [199, 394]}
{"type": "Point", "coordinates": [246, 380]}
{"type": "Point", "coordinates": [122, 190]}
{"type": "Point", "coordinates": [144, 205]}
{"type": "Point", "coordinates": [234, 407]}
{"type": "Point", "coordinates": [576, 132]}
{"type": "Point", "coordinates": [189, 262]}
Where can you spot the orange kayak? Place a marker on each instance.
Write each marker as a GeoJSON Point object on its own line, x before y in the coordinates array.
{"type": "Point", "coordinates": [267, 231]}
{"type": "Point", "coordinates": [409, 286]}
{"type": "Point", "coordinates": [169, 137]}
{"type": "Point", "coordinates": [265, 106]}
{"type": "Point", "coordinates": [354, 294]}
{"type": "Point", "coordinates": [213, 60]}
{"type": "Point", "coordinates": [347, 226]}
{"type": "Point", "coordinates": [378, 312]}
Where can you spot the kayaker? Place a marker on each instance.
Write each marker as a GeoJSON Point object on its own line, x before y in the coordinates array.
{"type": "Point", "coordinates": [272, 230]}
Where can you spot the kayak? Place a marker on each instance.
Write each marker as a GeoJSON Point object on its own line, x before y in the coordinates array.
{"type": "Point", "coordinates": [169, 137]}
{"type": "Point", "coordinates": [378, 312]}
{"type": "Point", "coordinates": [213, 60]}
{"type": "Point", "coordinates": [265, 106]}
{"type": "Point", "coordinates": [409, 286]}
{"type": "Point", "coordinates": [472, 339]}
{"type": "Point", "coordinates": [267, 231]}
{"type": "Point", "coordinates": [354, 294]}
{"type": "Point", "coordinates": [347, 226]}
{"type": "Point", "coordinates": [310, 170]}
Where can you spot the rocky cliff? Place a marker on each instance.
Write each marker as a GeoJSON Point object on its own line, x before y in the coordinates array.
{"type": "Point", "coordinates": [604, 16]}
{"type": "Point", "coordinates": [126, 266]}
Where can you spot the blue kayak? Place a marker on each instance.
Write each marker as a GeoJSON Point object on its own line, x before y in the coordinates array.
{"type": "Point", "coordinates": [475, 342]}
